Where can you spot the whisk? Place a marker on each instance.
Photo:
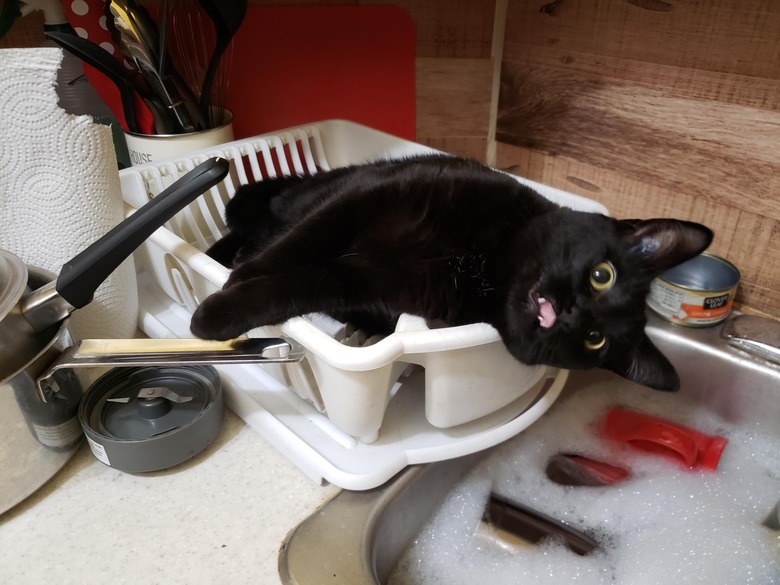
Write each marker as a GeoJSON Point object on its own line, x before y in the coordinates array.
{"type": "Point", "coordinates": [190, 42]}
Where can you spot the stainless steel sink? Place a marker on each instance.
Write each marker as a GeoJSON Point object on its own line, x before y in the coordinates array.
{"type": "Point", "coordinates": [358, 537]}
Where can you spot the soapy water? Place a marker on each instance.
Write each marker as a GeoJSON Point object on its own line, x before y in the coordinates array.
{"type": "Point", "coordinates": [665, 524]}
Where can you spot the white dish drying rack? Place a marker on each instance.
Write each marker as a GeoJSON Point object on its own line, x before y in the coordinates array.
{"type": "Point", "coordinates": [355, 411]}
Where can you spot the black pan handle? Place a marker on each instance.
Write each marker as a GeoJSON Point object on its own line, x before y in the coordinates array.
{"type": "Point", "coordinates": [81, 276]}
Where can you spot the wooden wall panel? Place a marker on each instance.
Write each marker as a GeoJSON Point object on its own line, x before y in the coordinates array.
{"type": "Point", "coordinates": [635, 104]}
{"type": "Point", "coordinates": [684, 82]}
{"type": "Point", "coordinates": [707, 148]}
{"type": "Point", "coordinates": [453, 105]}
{"type": "Point", "coordinates": [730, 36]}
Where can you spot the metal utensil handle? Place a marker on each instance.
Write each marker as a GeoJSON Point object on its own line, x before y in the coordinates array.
{"type": "Point", "coordinates": [134, 30]}
{"type": "Point", "coordinates": [171, 352]}
{"type": "Point", "coordinates": [755, 335]}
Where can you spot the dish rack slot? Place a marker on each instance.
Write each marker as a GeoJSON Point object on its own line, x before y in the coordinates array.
{"type": "Point", "coordinates": [298, 152]}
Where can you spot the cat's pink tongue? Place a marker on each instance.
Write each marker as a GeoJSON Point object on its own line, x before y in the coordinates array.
{"type": "Point", "coordinates": [546, 313]}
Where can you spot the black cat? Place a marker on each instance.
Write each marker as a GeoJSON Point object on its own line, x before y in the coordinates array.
{"type": "Point", "coordinates": [454, 241]}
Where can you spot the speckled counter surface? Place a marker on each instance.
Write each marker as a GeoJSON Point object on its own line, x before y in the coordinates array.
{"type": "Point", "coordinates": [218, 518]}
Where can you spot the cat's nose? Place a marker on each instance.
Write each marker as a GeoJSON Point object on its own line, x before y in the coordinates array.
{"type": "Point", "coordinates": [570, 315]}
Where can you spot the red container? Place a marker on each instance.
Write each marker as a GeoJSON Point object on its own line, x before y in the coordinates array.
{"type": "Point", "coordinates": [656, 435]}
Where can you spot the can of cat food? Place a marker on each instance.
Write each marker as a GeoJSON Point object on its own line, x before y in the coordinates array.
{"type": "Point", "coordinates": [696, 293]}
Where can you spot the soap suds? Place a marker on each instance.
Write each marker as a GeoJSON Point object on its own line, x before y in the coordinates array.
{"type": "Point", "coordinates": [665, 524]}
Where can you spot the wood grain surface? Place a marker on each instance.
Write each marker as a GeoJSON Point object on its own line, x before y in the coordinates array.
{"type": "Point", "coordinates": [453, 106]}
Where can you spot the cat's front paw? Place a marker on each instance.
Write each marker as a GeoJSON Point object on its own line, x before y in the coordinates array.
{"type": "Point", "coordinates": [216, 318]}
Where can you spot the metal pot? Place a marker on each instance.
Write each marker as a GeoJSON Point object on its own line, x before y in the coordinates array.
{"type": "Point", "coordinates": [26, 459]}
{"type": "Point", "coordinates": [39, 391]}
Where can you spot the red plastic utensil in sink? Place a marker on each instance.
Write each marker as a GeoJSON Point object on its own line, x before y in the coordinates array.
{"type": "Point", "coordinates": [657, 435]}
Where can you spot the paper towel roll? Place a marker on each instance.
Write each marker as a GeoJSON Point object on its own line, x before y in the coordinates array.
{"type": "Point", "coordinates": [59, 187]}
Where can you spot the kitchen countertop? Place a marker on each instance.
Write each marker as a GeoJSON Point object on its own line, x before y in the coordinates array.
{"type": "Point", "coordinates": [217, 518]}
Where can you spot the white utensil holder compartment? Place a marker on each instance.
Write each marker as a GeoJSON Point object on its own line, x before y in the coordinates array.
{"type": "Point", "coordinates": [473, 393]}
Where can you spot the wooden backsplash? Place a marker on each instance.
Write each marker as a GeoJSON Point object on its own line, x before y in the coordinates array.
{"type": "Point", "coordinates": [653, 107]}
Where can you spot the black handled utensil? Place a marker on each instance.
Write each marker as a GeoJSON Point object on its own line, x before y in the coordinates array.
{"type": "Point", "coordinates": [97, 57]}
{"type": "Point", "coordinates": [227, 18]}
{"type": "Point", "coordinates": [134, 31]}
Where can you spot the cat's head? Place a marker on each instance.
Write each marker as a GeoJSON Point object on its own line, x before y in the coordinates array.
{"type": "Point", "coordinates": [586, 305]}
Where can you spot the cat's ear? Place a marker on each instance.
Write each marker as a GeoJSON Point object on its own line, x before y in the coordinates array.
{"type": "Point", "coordinates": [663, 243]}
{"type": "Point", "coordinates": [644, 364]}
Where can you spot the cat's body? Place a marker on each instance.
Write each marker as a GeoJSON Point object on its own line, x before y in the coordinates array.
{"type": "Point", "coordinates": [452, 241]}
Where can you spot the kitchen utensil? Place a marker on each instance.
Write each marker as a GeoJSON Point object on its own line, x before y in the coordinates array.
{"type": "Point", "coordinates": [573, 469]}
{"type": "Point", "coordinates": [96, 57]}
{"type": "Point", "coordinates": [87, 17]}
{"type": "Point", "coordinates": [172, 352]}
{"type": "Point", "coordinates": [757, 336]}
{"type": "Point", "coordinates": [147, 419]}
{"type": "Point", "coordinates": [190, 41]}
{"type": "Point", "coordinates": [227, 18]}
{"type": "Point", "coordinates": [657, 435]}
{"type": "Point", "coordinates": [509, 524]}
{"type": "Point", "coordinates": [27, 315]}
{"type": "Point", "coordinates": [163, 33]}
{"type": "Point", "coordinates": [135, 32]}
{"type": "Point", "coordinates": [139, 43]}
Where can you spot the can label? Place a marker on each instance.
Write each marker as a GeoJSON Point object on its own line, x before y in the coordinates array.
{"type": "Point", "coordinates": [687, 306]}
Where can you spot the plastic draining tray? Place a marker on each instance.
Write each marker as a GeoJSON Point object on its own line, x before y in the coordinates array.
{"type": "Point", "coordinates": [355, 411]}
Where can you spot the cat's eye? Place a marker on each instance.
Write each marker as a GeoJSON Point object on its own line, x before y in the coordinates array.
{"type": "Point", "coordinates": [602, 276]}
{"type": "Point", "coordinates": [594, 340]}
